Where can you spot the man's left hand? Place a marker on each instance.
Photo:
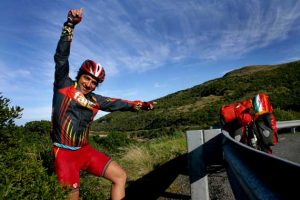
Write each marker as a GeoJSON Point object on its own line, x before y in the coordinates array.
{"type": "Point", "coordinates": [140, 105]}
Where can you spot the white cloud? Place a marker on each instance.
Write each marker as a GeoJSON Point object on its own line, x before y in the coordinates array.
{"type": "Point", "coordinates": [259, 27]}
{"type": "Point", "coordinates": [158, 31]}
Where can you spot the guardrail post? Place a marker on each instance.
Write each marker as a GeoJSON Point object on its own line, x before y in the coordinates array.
{"type": "Point", "coordinates": [196, 164]}
{"type": "Point", "coordinates": [198, 159]}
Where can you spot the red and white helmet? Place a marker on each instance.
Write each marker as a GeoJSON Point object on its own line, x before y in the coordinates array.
{"type": "Point", "coordinates": [94, 69]}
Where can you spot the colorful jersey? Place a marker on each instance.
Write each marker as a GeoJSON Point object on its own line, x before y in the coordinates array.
{"type": "Point", "coordinates": [72, 111]}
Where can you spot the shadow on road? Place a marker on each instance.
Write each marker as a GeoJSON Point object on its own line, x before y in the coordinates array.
{"type": "Point", "coordinates": [154, 184]}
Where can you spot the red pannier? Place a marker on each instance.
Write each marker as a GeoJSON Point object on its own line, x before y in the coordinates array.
{"type": "Point", "coordinates": [251, 120]}
{"type": "Point", "coordinates": [239, 111]}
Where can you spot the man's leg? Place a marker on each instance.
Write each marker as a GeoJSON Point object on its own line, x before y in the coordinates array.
{"type": "Point", "coordinates": [73, 195]}
{"type": "Point", "coordinates": [67, 171]}
{"type": "Point", "coordinates": [117, 176]}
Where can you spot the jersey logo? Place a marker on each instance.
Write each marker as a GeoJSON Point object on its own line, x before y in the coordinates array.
{"type": "Point", "coordinates": [78, 96]}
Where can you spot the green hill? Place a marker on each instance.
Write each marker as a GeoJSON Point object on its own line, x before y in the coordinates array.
{"type": "Point", "coordinates": [198, 107]}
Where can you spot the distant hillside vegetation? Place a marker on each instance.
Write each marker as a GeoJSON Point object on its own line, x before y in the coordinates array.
{"type": "Point", "coordinates": [198, 107]}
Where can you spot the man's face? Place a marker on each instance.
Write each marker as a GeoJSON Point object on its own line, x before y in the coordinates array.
{"type": "Point", "coordinates": [87, 83]}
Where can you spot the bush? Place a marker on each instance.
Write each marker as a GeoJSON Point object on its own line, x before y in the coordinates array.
{"type": "Point", "coordinates": [22, 173]}
{"type": "Point", "coordinates": [42, 126]}
{"type": "Point", "coordinates": [283, 115]}
{"type": "Point", "coordinates": [113, 142]}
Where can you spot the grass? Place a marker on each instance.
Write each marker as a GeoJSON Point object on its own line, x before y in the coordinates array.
{"type": "Point", "coordinates": [137, 159]}
{"type": "Point", "coordinates": [140, 159]}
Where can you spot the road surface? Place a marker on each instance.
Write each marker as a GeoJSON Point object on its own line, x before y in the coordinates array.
{"type": "Point", "coordinates": [287, 148]}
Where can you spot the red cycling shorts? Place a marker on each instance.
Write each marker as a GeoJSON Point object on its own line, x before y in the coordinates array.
{"type": "Point", "coordinates": [68, 164]}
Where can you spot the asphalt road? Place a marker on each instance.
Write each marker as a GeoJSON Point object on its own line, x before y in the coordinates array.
{"type": "Point", "coordinates": [288, 147]}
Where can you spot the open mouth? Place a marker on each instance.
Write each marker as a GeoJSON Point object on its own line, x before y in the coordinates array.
{"type": "Point", "coordinates": [85, 89]}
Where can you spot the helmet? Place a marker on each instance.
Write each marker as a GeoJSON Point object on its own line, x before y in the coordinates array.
{"type": "Point", "coordinates": [94, 69]}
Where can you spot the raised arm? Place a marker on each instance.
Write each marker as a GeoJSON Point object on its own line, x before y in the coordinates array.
{"type": "Point", "coordinates": [63, 47]}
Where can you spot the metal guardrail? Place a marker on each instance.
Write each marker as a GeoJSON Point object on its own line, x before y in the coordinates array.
{"type": "Point", "coordinates": [255, 174]}
{"type": "Point", "coordinates": [252, 174]}
{"type": "Point", "coordinates": [289, 124]}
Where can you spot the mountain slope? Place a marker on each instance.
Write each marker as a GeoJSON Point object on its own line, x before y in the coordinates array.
{"type": "Point", "coordinates": [198, 107]}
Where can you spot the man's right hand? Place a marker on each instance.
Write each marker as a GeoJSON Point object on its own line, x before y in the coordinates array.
{"type": "Point", "coordinates": [74, 17]}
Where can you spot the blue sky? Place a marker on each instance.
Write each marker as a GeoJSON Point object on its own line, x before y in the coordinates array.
{"type": "Point", "coordinates": [149, 48]}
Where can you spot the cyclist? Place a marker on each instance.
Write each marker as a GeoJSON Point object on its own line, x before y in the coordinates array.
{"type": "Point", "coordinates": [73, 108]}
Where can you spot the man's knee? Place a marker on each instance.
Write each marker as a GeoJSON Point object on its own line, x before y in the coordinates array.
{"type": "Point", "coordinates": [115, 173]}
{"type": "Point", "coordinates": [122, 176]}
{"type": "Point", "coordinates": [73, 195]}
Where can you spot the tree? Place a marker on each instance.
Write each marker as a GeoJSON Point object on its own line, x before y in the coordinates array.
{"type": "Point", "coordinates": [8, 114]}
{"type": "Point", "coordinates": [42, 127]}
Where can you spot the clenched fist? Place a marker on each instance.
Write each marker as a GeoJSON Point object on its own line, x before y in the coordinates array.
{"type": "Point", "coordinates": [74, 17]}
